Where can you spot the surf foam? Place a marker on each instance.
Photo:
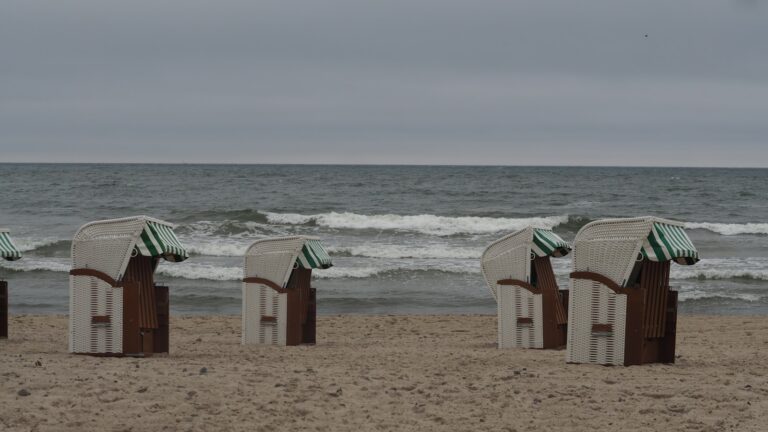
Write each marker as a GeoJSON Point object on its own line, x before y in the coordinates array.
{"type": "Point", "coordinates": [425, 223]}
{"type": "Point", "coordinates": [730, 229]}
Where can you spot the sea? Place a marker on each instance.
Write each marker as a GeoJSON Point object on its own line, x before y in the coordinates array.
{"type": "Point", "coordinates": [404, 239]}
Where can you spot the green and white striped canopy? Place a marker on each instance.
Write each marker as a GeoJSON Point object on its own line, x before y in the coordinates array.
{"type": "Point", "coordinates": [313, 255]}
{"type": "Point", "coordinates": [547, 243]}
{"type": "Point", "coordinates": [160, 240]}
{"type": "Point", "coordinates": [669, 242]}
{"type": "Point", "coordinates": [8, 249]}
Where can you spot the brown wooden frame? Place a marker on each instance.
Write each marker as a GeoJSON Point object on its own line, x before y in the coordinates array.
{"type": "Point", "coordinates": [651, 319]}
{"type": "Point", "coordinates": [3, 310]}
{"type": "Point", "coordinates": [97, 274]}
{"type": "Point", "coordinates": [267, 282]}
{"type": "Point", "coordinates": [554, 303]}
{"type": "Point", "coordinates": [146, 308]}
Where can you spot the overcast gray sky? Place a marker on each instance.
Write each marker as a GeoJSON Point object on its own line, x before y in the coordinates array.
{"type": "Point", "coordinates": [558, 82]}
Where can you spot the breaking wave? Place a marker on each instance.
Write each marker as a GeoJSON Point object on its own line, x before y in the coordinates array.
{"type": "Point", "coordinates": [403, 252]}
{"type": "Point", "coordinates": [730, 229]}
{"type": "Point", "coordinates": [425, 223]}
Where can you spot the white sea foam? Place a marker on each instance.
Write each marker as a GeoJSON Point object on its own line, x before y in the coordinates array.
{"type": "Point", "coordinates": [425, 223]}
{"type": "Point", "coordinates": [697, 294]}
{"type": "Point", "coordinates": [29, 244]}
{"type": "Point", "coordinates": [730, 229]}
{"type": "Point", "coordinates": [719, 274]}
{"type": "Point", "coordinates": [723, 268]}
{"type": "Point", "coordinates": [200, 271]}
{"type": "Point", "coordinates": [27, 264]}
{"type": "Point", "coordinates": [348, 272]}
{"type": "Point", "coordinates": [405, 252]}
{"type": "Point", "coordinates": [216, 247]}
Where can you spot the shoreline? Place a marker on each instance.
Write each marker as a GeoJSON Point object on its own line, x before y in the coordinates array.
{"type": "Point", "coordinates": [370, 372]}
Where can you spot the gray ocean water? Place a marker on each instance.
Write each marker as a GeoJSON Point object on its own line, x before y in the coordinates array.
{"type": "Point", "coordinates": [404, 239]}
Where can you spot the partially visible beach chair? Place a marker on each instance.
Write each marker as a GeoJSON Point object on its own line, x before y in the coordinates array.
{"type": "Point", "coordinates": [621, 310]}
{"type": "Point", "coordinates": [279, 305]}
{"type": "Point", "coordinates": [9, 252]}
{"type": "Point", "coordinates": [115, 308]}
{"type": "Point", "coordinates": [517, 269]}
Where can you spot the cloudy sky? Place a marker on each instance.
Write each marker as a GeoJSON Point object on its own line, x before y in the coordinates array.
{"type": "Point", "coordinates": [557, 82]}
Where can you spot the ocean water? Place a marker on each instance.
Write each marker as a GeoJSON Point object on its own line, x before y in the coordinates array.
{"type": "Point", "coordinates": [404, 239]}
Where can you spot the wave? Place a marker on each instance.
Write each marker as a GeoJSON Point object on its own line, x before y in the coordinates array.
{"type": "Point", "coordinates": [730, 229]}
{"type": "Point", "coordinates": [218, 273]}
{"type": "Point", "coordinates": [200, 271]}
{"type": "Point", "coordinates": [41, 245]}
{"type": "Point", "coordinates": [425, 223]}
{"type": "Point", "coordinates": [216, 248]}
{"type": "Point", "coordinates": [719, 274]}
{"type": "Point", "coordinates": [403, 252]}
{"type": "Point", "coordinates": [754, 268]}
{"type": "Point", "coordinates": [699, 295]}
{"type": "Point", "coordinates": [32, 265]}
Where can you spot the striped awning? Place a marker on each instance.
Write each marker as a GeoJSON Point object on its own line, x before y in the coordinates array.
{"type": "Point", "coordinates": [160, 240]}
{"type": "Point", "coordinates": [669, 242]}
{"type": "Point", "coordinates": [313, 256]}
{"type": "Point", "coordinates": [547, 243]}
{"type": "Point", "coordinates": [8, 249]}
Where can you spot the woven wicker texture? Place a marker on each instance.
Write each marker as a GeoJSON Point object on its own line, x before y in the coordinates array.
{"type": "Point", "coordinates": [272, 259]}
{"type": "Point", "coordinates": [106, 246]}
{"type": "Point", "coordinates": [609, 247]}
{"type": "Point", "coordinates": [510, 258]}
{"type": "Point", "coordinates": [91, 297]}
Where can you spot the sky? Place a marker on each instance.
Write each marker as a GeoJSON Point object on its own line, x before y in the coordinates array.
{"type": "Point", "coordinates": [558, 82]}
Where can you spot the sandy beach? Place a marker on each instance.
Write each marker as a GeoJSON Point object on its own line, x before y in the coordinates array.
{"type": "Point", "coordinates": [380, 373]}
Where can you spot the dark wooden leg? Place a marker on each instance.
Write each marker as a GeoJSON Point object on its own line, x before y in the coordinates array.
{"type": "Point", "coordinates": [3, 309]}
{"type": "Point", "coordinates": [162, 333]}
{"type": "Point", "coordinates": [310, 326]}
{"type": "Point", "coordinates": [670, 331]}
{"type": "Point", "coordinates": [293, 318]}
{"type": "Point", "coordinates": [635, 335]}
{"type": "Point", "coordinates": [551, 330]}
{"type": "Point", "coordinates": [132, 341]}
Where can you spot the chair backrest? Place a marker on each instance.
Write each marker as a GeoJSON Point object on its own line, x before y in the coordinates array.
{"type": "Point", "coordinates": [508, 258]}
{"type": "Point", "coordinates": [610, 246]}
{"type": "Point", "coordinates": [273, 258]}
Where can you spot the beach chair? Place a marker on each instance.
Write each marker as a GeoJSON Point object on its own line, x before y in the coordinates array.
{"type": "Point", "coordinates": [279, 305]}
{"type": "Point", "coordinates": [530, 308]}
{"type": "Point", "coordinates": [115, 308]}
{"type": "Point", "coordinates": [622, 311]}
{"type": "Point", "coordinates": [9, 252]}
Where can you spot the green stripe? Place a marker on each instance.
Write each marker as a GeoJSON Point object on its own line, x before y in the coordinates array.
{"type": "Point", "coordinates": [315, 255]}
{"type": "Point", "coordinates": [149, 244]}
{"type": "Point", "coordinates": [8, 249]}
{"type": "Point", "coordinates": [662, 236]}
{"type": "Point", "coordinates": [656, 247]}
{"type": "Point", "coordinates": [550, 243]}
{"type": "Point", "coordinates": [672, 238]}
{"type": "Point", "coordinates": [160, 240]}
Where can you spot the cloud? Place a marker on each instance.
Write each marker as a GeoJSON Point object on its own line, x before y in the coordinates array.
{"type": "Point", "coordinates": [421, 81]}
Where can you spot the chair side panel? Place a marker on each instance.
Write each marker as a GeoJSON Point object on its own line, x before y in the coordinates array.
{"type": "Point", "coordinates": [91, 297]}
{"type": "Point", "coordinates": [592, 303]}
{"type": "Point", "coordinates": [261, 301]}
{"type": "Point", "coordinates": [513, 304]}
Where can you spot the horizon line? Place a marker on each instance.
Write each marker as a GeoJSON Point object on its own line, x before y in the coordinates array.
{"type": "Point", "coordinates": [383, 165]}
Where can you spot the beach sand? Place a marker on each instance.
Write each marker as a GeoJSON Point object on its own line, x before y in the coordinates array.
{"type": "Point", "coordinates": [381, 373]}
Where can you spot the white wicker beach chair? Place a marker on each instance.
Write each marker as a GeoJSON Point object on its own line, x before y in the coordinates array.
{"type": "Point", "coordinates": [621, 309]}
{"type": "Point", "coordinates": [531, 312]}
{"type": "Point", "coordinates": [8, 252]}
{"type": "Point", "coordinates": [279, 306]}
{"type": "Point", "coordinates": [114, 306]}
